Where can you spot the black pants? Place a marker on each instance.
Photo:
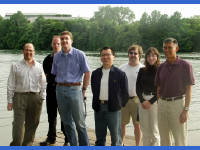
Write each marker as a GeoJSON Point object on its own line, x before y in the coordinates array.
{"type": "Point", "coordinates": [51, 104]}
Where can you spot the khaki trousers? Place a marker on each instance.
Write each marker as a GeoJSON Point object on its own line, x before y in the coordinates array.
{"type": "Point", "coordinates": [130, 111]}
{"type": "Point", "coordinates": [149, 125]}
{"type": "Point", "coordinates": [27, 109]}
{"type": "Point", "coordinates": [169, 124]}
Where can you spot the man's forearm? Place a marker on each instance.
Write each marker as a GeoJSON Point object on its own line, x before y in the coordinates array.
{"type": "Point", "coordinates": [86, 80]}
{"type": "Point", "coordinates": [188, 95]}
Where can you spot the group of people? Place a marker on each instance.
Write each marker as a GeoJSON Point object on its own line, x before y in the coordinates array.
{"type": "Point", "coordinates": [155, 96]}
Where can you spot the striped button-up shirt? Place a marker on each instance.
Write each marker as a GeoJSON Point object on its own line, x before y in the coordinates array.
{"type": "Point", "coordinates": [24, 78]}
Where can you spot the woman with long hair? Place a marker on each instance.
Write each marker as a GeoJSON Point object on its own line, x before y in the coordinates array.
{"type": "Point", "coordinates": [146, 91]}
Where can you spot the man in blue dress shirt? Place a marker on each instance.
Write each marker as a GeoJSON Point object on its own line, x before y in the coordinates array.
{"type": "Point", "coordinates": [69, 66]}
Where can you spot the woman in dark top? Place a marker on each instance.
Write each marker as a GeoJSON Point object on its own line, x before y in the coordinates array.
{"type": "Point", "coordinates": [146, 91]}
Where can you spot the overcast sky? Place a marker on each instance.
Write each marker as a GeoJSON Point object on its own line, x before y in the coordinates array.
{"type": "Point", "coordinates": [87, 10]}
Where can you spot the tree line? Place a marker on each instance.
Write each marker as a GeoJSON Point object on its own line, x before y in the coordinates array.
{"type": "Point", "coordinates": [110, 26]}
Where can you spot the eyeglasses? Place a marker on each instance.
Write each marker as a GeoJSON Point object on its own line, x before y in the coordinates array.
{"type": "Point", "coordinates": [131, 53]}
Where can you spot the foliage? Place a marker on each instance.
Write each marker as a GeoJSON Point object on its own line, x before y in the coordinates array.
{"type": "Point", "coordinates": [110, 26]}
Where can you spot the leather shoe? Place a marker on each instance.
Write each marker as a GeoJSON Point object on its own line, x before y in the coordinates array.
{"type": "Point", "coordinates": [47, 143]}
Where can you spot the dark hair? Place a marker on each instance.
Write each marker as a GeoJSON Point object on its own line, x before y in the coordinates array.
{"type": "Point", "coordinates": [106, 48]}
{"type": "Point", "coordinates": [67, 33]}
{"type": "Point", "coordinates": [134, 47]}
{"type": "Point", "coordinates": [154, 51]}
{"type": "Point", "coordinates": [170, 40]}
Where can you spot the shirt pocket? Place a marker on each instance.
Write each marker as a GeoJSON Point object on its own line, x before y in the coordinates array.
{"type": "Point", "coordinates": [74, 67]}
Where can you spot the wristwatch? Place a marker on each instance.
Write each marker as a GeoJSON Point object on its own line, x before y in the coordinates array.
{"type": "Point", "coordinates": [186, 108]}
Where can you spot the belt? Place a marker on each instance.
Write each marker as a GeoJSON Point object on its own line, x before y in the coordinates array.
{"type": "Point", "coordinates": [103, 102]}
{"type": "Point", "coordinates": [132, 97]}
{"type": "Point", "coordinates": [34, 93]}
{"type": "Point", "coordinates": [172, 98]}
{"type": "Point", "coordinates": [69, 84]}
{"type": "Point", "coordinates": [149, 93]}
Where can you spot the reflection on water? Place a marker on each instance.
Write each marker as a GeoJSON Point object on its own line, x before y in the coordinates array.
{"type": "Point", "coordinates": [9, 57]}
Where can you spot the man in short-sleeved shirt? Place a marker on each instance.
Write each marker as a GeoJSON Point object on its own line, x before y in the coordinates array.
{"type": "Point", "coordinates": [174, 80]}
{"type": "Point", "coordinates": [51, 102]}
{"type": "Point", "coordinates": [69, 65]}
{"type": "Point", "coordinates": [131, 109]}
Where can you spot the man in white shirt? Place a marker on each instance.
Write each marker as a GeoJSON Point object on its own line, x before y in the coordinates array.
{"type": "Point", "coordinates": [26, 91]}
{"type": "Point", "coordinates": [131, 109]}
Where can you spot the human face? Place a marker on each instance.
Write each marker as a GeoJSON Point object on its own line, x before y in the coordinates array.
{"type": "Point", "coordinates": [107, 58]}
{"type": "Point", "coordinates": [133, 56]}
{"type": "Point", "coordinates": [29, 52]}
{"type": "Point", "coordinates": [152, 58]}
{"type": "Point", "coordinates": [170, 50]}
{"type": "Point", "coordinates": [66, 42]}
{"type": "Point", "coordinates": [56, 45]}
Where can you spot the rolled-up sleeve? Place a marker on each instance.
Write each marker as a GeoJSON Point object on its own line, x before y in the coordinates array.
{"type": "Point", "coordinates": [11, 85]}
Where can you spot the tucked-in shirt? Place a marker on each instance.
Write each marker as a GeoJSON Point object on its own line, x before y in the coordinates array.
{"type": "Point", "coordinates": [24, 78]}
{"type": "Point", "coordinates": [131, 73]}
{"type": "Point", "coordinates": [69, 68]}
{"type": "Point", "coordinates": [146, 83]}
{"type": "Point", "coordinates": [104, 85]}
{"type": "Point", "coordinates": [173, 78]}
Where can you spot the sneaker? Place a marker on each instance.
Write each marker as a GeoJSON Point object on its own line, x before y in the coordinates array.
{"type": "Point", "coordinates": [47, 143]}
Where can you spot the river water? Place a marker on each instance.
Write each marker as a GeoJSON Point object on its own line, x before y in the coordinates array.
{"type": "Point", "coordinates": [9, 57]}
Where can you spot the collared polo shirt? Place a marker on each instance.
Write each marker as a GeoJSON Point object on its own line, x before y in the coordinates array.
{"type": "Point", "coordinates": [69, 68]}
{"type": "Point", "coordinates": [173, 78]}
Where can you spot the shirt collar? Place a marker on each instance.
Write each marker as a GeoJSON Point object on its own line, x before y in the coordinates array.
{"type": "Point", "coordinates": [176, 61]}
{"type": "Point", "coordinates": [70, 51]}
{"type": "Point", "coordinates": [24, 61]}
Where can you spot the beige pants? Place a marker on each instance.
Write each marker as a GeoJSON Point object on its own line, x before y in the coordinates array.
{"type": "Point", "coordinates": [27, 109]}
{"type": "Point", "coordinates": [169, 124]}
{"type": "Point", "coordinates": [149, 124]}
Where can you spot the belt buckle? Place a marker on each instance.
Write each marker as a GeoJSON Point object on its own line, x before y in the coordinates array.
{"type": "Point", "coordinates": [173, 98]}
{"type": "Point", "coordinates": [102, 102]}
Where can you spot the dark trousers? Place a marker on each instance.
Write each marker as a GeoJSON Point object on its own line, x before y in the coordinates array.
{"type": "Point", "coordinates": [105, 119]}
{"type": "Point", "coordinates": [51, 104]}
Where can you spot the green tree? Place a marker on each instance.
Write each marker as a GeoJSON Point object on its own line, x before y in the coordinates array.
{"type": "Point", "coordinates": [115, 15]}
{"type": "Point", "coordinates": [18, 25]}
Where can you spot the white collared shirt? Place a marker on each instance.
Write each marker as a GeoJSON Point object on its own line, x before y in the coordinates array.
{"type": "Point", "coordinates": [23, 78]}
